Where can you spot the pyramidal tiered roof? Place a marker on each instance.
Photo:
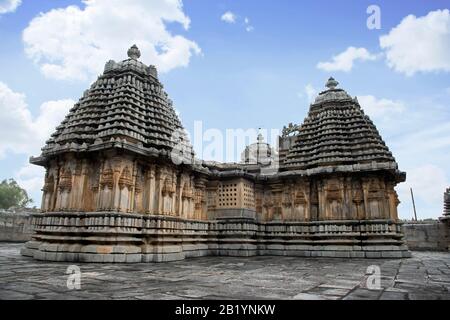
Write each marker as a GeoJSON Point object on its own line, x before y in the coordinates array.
{"type": "Point", "coordinates": [126, 107]}
{"type": "Point", "coordinates": [336, 132]}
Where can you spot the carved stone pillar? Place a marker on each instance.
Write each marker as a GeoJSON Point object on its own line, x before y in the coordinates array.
{"type": "Point", "coordinates": [322, 213]}
{"type": "Point", "coordinates": [358, 200]}
{"type": "Point", "coordinates": [334, 196]}
{"type": "Point", "coordinates": [139, 185]}
{"type": "Point", "coordinates": [212, 191]}
{"type": "Point", "coordinates": [314, 200]}
{"type": "Point", "coordinates": [125, 185]}
{"type": "Point", "coordinates": [150, 192]}
{"type": "Point", "coordinates": [200, 198]}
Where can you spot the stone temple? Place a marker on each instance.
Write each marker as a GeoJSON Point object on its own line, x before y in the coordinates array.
{"type": "Point", "coordinates": [122, 183]}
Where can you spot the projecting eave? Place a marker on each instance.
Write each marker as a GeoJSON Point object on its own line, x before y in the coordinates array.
{"type": "Point", "coordinates": [39, 161]}
{"type": "Point", "coordinates": [387, 167]}
{"type": "Point", "coordinates": [152, 153]}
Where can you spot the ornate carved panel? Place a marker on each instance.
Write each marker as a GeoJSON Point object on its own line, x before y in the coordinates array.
{"type": "Point", "coordinates": [65, 182]}
{"type": "Point", "coordinates": [107, 178]}
{"type": "Point", "coordinates": [333, 191]}
{"type": "Point", "coordinates": [125, 179]}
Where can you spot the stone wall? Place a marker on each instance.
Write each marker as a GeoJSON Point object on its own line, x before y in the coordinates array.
{"type": "Point", "coordinates": [15, 226]}
{"type": "Point", "coordinates": [433, 235]}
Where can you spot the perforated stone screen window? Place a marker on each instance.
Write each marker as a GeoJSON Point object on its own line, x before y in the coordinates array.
{"type": "Point", "coordinates": [228, 195]}
{"type": "Point", "coordinates": [249, 195]}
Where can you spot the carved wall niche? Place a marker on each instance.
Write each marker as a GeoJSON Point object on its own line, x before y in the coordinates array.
{"type": "Point", "coordinates": [198, 199]}
{"type": "Point", "coordinates": [79, 198]}
{"type": "Point", "coordinates": [301, 205]}
{"type": "Point", "coordinates": [274, 202]}
{"type": "Point", "coordinates": [105, 197]}
{"type": "Point", "coordinates": [259, 196]}
{"type": "Point", "coordinates": [287, 199]}
{"type": "Point", "coordinates": [288, 196]}
{"type": "Point", "coordinates": [125, 184]}
{"type": "Point", "coordinates": [212, 191]}
{"type": "Point", "coordinates": [334, 197]}
{"type": "Point", "coordinates": [376, 198]}
{"type": "Point", "coordinates": [187, 197]}
{"type": "Point", "coordinates": [357, 196]}
{"type": "Point", "coordinates": [168, 182]}
{"type": "Point", "coordinates": [64, 188]}
{"type": "Point", "coordinates": [90, 179]}
{"type": "Point", "coordinates": [268, 204]}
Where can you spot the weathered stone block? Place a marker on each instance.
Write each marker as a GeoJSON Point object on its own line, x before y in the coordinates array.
{"type": "Point", "coordinates": [373, 254]}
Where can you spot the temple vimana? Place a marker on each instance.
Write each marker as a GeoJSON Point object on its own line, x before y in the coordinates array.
{"type": "Point", "coordinates": [122, 183]}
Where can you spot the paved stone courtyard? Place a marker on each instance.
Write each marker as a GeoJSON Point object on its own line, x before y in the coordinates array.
{"type": "Point", "coordinates": [425, 276]}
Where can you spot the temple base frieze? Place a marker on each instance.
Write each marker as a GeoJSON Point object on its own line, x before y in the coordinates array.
{"type": "Point", "coordinates": [112, 237]}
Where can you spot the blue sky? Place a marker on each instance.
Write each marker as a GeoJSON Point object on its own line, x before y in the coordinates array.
{"type": "Point", "coordinates": [231, 77]}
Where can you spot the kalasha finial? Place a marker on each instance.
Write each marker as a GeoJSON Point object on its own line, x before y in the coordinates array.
{"type": "Point", "coordinates": [331, 83]}
{"type": "Point", "coordinates": [260, 137]}
{"type": "Point", "coordinates": [133, 52]}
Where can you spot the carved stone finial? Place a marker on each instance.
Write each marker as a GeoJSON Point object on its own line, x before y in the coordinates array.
{"type": "Point", "coordinates": [331, 83]}
{"type": "Point", "coordinates": [260, 138]}
{"type": "Point", "coordinates": [134, 53]}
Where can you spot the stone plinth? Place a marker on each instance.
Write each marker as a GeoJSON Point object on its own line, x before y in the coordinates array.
{"type": "Point", "coordinates": [118, 237]}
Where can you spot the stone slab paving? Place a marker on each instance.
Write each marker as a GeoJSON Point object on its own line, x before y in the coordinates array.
{"type": "Point", "coordinates": [424, 276]}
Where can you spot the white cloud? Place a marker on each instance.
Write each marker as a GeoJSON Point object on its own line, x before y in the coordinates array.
{"type": "Point", "coordinates": [20, 132]}
{"type": "Point", "coordinates": [436, 137]}
{"type": "Point", "coordinates": [419, 138]}
{"type": "Point", "coordinates": [419, 44]}
{"type": "Point", "coordinates": [74, 42]}
{"type": "Point", "coordinates": [380, 108]}
{"type": "Point", "coordinates": [344, 61]}
{"type": "Point", "coordinates": [31, 178]}
{"type": "Point", "coordinates": [231, 18]}
{"type": "Point", "coordinates": [308, 92]}
{"type": "Point", "coordinates": [248, 26]}
{"type": "Point", "coordinates": [7, 6]}
{"type": "Point", "coordinates": [228, 17]}
{"type": "Point", "coordinates": [311, 92]}
{"type": "Point", "coordinates": [428, 183]}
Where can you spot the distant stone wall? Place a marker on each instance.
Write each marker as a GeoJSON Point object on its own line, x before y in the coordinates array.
{"type": "Point", "coordinates": [432, 235]}
{"type": "Point", "coordinates": [15, 226]}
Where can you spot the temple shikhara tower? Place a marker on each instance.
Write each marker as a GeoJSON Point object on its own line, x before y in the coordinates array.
{"type": "Point", "coordinates": [122, 183]}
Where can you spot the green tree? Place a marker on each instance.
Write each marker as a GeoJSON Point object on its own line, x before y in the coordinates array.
{"type": "Point", "coordinates": [12, 195]}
